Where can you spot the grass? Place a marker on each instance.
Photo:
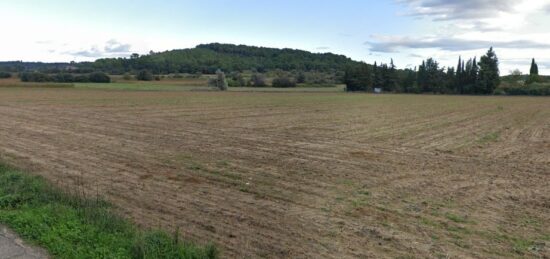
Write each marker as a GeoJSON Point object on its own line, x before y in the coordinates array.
{"type": "Point", "coordinates": [489, 137]}
{"type": "Point", "coordinates": [71, 226]}
{"type": "Point", "coordinates": [138, 86]}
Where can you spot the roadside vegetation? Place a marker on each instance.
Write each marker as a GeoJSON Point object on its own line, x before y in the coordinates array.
{"type": "Point", "coordinates": [70, 225]}
{"type": "Point", "coordinates": [95, 77]}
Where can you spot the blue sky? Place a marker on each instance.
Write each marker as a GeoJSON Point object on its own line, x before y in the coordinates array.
{"type": "Point", "coordinates": [406, 30]}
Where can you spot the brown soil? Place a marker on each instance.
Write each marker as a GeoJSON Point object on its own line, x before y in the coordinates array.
{"type": "Point", "coordinates": [301, 175]}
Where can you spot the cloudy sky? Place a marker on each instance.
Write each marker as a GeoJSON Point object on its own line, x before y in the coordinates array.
{"type": "Point", "coordinates": [369, 30]}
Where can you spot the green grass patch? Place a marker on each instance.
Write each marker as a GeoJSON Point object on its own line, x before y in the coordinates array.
{"type": "Point", "coordinates": [489, 137]}
{"type": "Point", "coordinates": [71, 226]}
{"type": "Point", "coordinates": [456, 218]}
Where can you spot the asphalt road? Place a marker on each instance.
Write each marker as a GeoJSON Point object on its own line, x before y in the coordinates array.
{"type": "Point", "coordinates": [12, 247]}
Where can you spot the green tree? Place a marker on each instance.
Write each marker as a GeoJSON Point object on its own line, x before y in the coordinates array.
{"type": "Point", "coordinates": [378, 76]}
{"type": "Point", "coordinates": [408, 83]}
{"type": "Point", "coordinates": [358, 78]}
{"type": "Point", "coordinates": [459, 77]}
{"type": "Point", "coordinates": [391, 81]}
{"type": "Point", "coordinates": [489, 74]}
{"type": "Point", "coordinates": [534, 73]}
{"type": "Point", "coordinates": [301, 78]}
{"type": "Point", "coordinates": [99, 77]}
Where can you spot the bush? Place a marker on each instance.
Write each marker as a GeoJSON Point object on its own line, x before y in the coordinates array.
{"type": "Point", "coordinates": [144, 75]}
{"type": "Point", "coordinates": [157, 78]}
{"type": "Point", "coordinates": [538, 89]}
{"type": "Point", "coordinates": [96, 77]}
{"type": "Point", "coordinates": [301, 78]}
{"type": "Point", "coordinates": [127, 76]}
{"type": "Point", "coordinates": [5, 74]}
{"type": "Point", "coordinates": [81, 79]}
{"type": "Point", "coordinates": [99, 77]}
{"type": "Point", "coordinates": [236, 80]}
{"type": "Point", "coordinates": [219, 82]}
{"type": "Point", "coordinates": [257, 80]}
{"type": "Point", "coordinates": [35, 77]}
{"type": "Point", "coordinates": [283, 82]}
{"type": "Point", "coordinates": [63, 78]}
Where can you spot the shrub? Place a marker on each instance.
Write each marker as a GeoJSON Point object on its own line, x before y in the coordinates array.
{"type": "Point", "coordinates": [35, 77]}
{"type": "Point", "coordinates": [219, 82]}
{"type": "Point", "coordinates": [257, 80]}
{"type": "Point", "coordinates": [157, 78]}
{"type": "Point", "coordinates": [237, 80]}
{"type": "Point", "coordinates": [127, 76]}
{"type": "Point", "coordinates": [283, 82]}
{"type": "Point", "coordinates": [81, 79]}
{"type": "Point", "coordinates": [63, 78]}
{"type": "Point", "coordinates": [532, 89]}
{"type": "Point", "coordinates": [5, 74]}
{"type": "Point", "coordinates": [301, 78]}
{"type": "Point", "coordinates": [144, 75]}
{"type": "Point", "coordinates": [99, 77]}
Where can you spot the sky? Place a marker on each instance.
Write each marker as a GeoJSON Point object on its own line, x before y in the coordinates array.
{"type": "Point", "coordinates": [367, 30]}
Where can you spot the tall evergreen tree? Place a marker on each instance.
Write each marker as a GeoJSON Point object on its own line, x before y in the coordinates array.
{"type": "Point", "coordinates": [378, 76]}
{"type": "Point", "coordinates": [534, 73]}
{"type": "Point", "coordinates": [421, 76]}
{"type": "Point", "coordinates": [489, 74]}
{"type": "Point", "coordinates": [408, 82]}
{"type": "Point", "coordinates": [392, 79]}
{"type": "Point", "coordinates": [450, 81]}
{"type": "Point", "coordinates": [459, 76]}
{"type": "Point", "coordinates": [472, 76]}
{"type": "Point", "coordinates": [534, 68]}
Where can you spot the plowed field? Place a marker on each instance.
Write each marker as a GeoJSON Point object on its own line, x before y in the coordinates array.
{"type": "Point", "coordinates": [300, 175]}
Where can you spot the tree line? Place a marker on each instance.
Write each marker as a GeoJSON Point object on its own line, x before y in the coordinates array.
{"type": "Point", "coordinates": [95, 77]}
{"type": "Point", "coordinates": [469, 77]}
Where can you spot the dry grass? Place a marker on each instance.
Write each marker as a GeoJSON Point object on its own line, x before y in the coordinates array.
{"type": "Point", "coordinates": [330, 175]}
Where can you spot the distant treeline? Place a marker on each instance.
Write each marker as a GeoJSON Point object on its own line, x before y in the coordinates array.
{"type": "Point", "coordinates": [292, 67]}
{"type": "Point", "coordinates": [4, 74]}
{"type": "Point", "coordinates": [469, 77]}
{"type": "Point", "coordinates": [96, 77]}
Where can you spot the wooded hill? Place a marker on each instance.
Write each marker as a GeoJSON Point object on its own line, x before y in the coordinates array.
{"type": "Point", "coordinates": [207, 58]}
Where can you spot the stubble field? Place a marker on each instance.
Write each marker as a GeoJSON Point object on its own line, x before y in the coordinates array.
{"type": "Point", "coordinates": [300, 175]}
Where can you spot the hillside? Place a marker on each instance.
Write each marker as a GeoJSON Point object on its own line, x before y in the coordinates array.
{"type": "Point", "coordinates": [207, 58]}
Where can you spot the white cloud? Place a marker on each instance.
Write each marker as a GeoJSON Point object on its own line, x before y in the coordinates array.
{"type": "Point", "coordinates": [393, 44]}
{"type": "Point", "coordinates": [111, 48]}
{"type": "Point", "coordinates": [482, 15]}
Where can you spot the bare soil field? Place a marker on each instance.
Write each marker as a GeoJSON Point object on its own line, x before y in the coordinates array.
{"type": "Point", "coordinates": [301, 175]}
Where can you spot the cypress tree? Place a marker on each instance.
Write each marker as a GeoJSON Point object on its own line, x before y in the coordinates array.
{"type": "Point", "coordinates": [533, 73]}
{"type": "Point", "coordinates": [421, 76]}
{"type": "Point", "coordinates": [534, 68]}
{"type": "Point", "coordinates": [458, 77]}
{"type": "Point", "coordinates": [474, 76]}
{"type": "Point", "coordinates": [392, 79]}
{"type": "Point", "coordinates": [489, 74]}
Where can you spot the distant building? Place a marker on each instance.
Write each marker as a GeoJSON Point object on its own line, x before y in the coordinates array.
{"type": "Point", "coordinates": [377, 90]}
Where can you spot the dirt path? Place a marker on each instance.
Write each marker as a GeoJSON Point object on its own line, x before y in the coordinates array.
{"type": "Point", "coordinates": [299, 175]}
{"type": "Point", "coordinates": [12, 247]}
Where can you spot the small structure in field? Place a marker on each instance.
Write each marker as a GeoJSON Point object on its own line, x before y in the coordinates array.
{"type": "Point", "coordinates": [377, 90]}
